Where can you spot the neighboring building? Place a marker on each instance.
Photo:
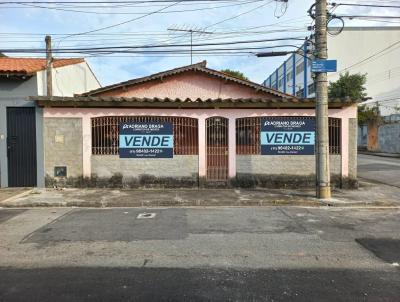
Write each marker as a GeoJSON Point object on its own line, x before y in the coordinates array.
{"type": "Point", "coordinates": [213, 127]}
{"type": "Point", "coordinates": [382, 135]}
{"type": "Point", "coordinates": [21, 122]}
{"type": "Point", "coordinates": [371, 50]}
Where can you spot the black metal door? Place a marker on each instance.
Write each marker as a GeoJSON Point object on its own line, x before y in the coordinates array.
{"type": "Point", "coordinates": [21, 146]}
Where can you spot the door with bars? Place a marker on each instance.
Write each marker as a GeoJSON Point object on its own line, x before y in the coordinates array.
{"type": "Point", "coordinates": [217, 149]}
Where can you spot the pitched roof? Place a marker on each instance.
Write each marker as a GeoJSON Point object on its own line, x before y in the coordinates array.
{"type": "Point", "coordinates": [201, 67]}
{"type": "Point", "coordinates": [31, 65]}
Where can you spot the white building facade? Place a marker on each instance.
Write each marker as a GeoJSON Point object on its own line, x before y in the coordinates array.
{"type": "Point", "coordinates": [374, 51]}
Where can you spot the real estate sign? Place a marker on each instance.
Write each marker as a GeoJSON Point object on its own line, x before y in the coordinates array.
{"type": "Point", "coordinates": [146, 140]}
{"type": "Point", "coordinates": [287, 136]}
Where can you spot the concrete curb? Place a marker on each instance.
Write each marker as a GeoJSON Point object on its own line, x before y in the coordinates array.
{"type": "Point", "coordinates": [200, 203]}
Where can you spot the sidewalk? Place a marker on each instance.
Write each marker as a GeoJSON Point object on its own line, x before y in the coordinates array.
{"type": "Point", "coordinates": [368, 195]}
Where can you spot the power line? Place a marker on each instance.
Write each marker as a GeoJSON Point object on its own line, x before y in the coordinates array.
{"type": "Point", "coordinates": [239, 15]}
{"type": "Point", "coordinates": [372, 56]}
{"type": "Point", "coordinates": [125, 22]}
{"type": "Point", "coordinates": [367, 16]}
{"type": "Point", "coordinates": [160, 45]}
{"type": "Point", "coordinates": [135, 13]}
{"type": "Point", "coordinates": [364, 5]}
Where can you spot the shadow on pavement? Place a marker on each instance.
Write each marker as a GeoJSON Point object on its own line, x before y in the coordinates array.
{"type": "Point", "coordinates": [387, 249]}
{"type": "Point", "coordinates": [8, 214]}
{"type": "Point", "coordinates": [174, 284]}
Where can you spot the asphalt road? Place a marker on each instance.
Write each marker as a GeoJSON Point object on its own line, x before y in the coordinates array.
{"type": "Point", "coordinates": [379, 169]}
{"type": "Point", "coordinates": [200, 254]}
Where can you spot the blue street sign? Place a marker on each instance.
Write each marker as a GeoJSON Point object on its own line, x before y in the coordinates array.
{"type": "Point", "coordinates": [324, 66]}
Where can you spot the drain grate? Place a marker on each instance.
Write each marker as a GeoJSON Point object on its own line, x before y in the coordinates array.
{"type": "Point", "coordinates": [146, 215]}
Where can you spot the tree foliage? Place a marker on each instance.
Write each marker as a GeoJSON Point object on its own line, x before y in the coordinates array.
{"type": "Point", "coordinates": [352, 85]}
{"type": "Point", "coordinates": [366, 113]}
{"type": "Point", "coordinates": [235, 73]}
{"type": "Point", "coordinates": [348, 85]}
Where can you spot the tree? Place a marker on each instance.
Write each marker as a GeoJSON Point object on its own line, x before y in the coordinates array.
{"type": "Point", "coordinates": [235, 73]}
{"type": "Point", "coordinates": [366, 114]}
{"type": "Point", "coordinates": [348, 85]}
{"type": "Point", "coordinates": [352, 85]}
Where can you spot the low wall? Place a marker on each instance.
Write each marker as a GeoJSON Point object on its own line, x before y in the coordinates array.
{"type": "Point", "coordinates": [389, 138]}
{"type": "Point", "coordinates": [380, 137]}
{"type": "Point", "coordinates": [182, 170]}
{"type": "Point", "coordinates": [278, 171]}
{"type": "Point", "coordinates": [283, 164]}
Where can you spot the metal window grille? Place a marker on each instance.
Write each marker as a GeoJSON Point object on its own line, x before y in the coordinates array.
{"type": "Point", "coordinates": [105, 133]}
{"type": "Point", "coordinates": [248, 135]}
{"type": "Point", "coordinates": [335, 129]}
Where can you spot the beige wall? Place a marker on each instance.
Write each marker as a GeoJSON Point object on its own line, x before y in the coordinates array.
{"type": "Point", "coordinates": [383, 71]}
{"type": "Point", "coordinates": [63, 145]}
{"type": "Point", "coordinates": [68, 80]}
{"type": "Point", "coordinates": [283, 164]}
{"type": "Point", "coordinates": [105, 166]}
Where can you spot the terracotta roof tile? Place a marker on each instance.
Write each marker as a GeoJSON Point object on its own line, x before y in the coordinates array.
{"type": "Point", "coordinates": [96, 101]}
{"type": "Point", "coordinates": [32, 65]}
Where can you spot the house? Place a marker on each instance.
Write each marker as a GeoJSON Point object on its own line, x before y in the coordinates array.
{"type": "Point", "coordinates": [21, 121]}
{"type": "Point", "coordinates": [191, 126]}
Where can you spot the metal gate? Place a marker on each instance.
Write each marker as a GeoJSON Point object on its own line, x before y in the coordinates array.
{"type": "Point", "coordinates": [21, 147]}
{"type": "Point", "coordinates": [217, 148]}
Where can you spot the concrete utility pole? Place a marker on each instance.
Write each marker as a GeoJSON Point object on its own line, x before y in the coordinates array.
{"type": "Point", "coordinates": [49, 67]}
{"type": "Point", "coordinates": [321, 110]}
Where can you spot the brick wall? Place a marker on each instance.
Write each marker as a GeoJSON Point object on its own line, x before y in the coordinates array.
{"type": "Point", "coordinates": [63, 145]}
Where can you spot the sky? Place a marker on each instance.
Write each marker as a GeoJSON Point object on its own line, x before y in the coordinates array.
{"type": "Point", "coordinates": [25, 26]}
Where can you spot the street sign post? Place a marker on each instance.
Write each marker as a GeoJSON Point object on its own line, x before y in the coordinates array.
{"type": "Point", "coordinates": [324, 66]}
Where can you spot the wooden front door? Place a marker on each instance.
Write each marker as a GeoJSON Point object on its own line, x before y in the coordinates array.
{"type": "Point", "coordinates": [217, 148]}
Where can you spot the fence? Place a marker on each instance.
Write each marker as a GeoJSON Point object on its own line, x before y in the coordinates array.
{"type": "Point", "coordinates": [248, 135]}
{"type": "Point", "coordinates": [105, 133]}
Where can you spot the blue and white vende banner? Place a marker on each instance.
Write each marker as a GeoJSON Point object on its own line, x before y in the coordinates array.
{"type": "Point", "coordinates": [146, 140]}
{"type": "Point", "coordinates": [287, 136]}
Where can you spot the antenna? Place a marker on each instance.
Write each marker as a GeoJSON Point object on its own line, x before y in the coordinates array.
{"type": "Point", "coordinates": [191, 31]}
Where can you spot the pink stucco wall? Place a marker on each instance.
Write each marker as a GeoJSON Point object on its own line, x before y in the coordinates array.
{"type": "Point", "coordinates": [201, 114]}
{"type": "Point", "coordinates": [191, 85]}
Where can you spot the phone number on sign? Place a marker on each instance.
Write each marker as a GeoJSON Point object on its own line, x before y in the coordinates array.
{"type": "Point", "coordinates": [288, 148]}
{"type": "Point", "coordinates": [146, 151]}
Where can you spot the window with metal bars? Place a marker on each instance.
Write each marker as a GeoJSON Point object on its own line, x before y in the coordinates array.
{"type": "Point", "coordinates": [248, 135]}
{"type": "Point", "coordinates": [105, 133]}
{"type": "Point", "coordinates": [335, 136]}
